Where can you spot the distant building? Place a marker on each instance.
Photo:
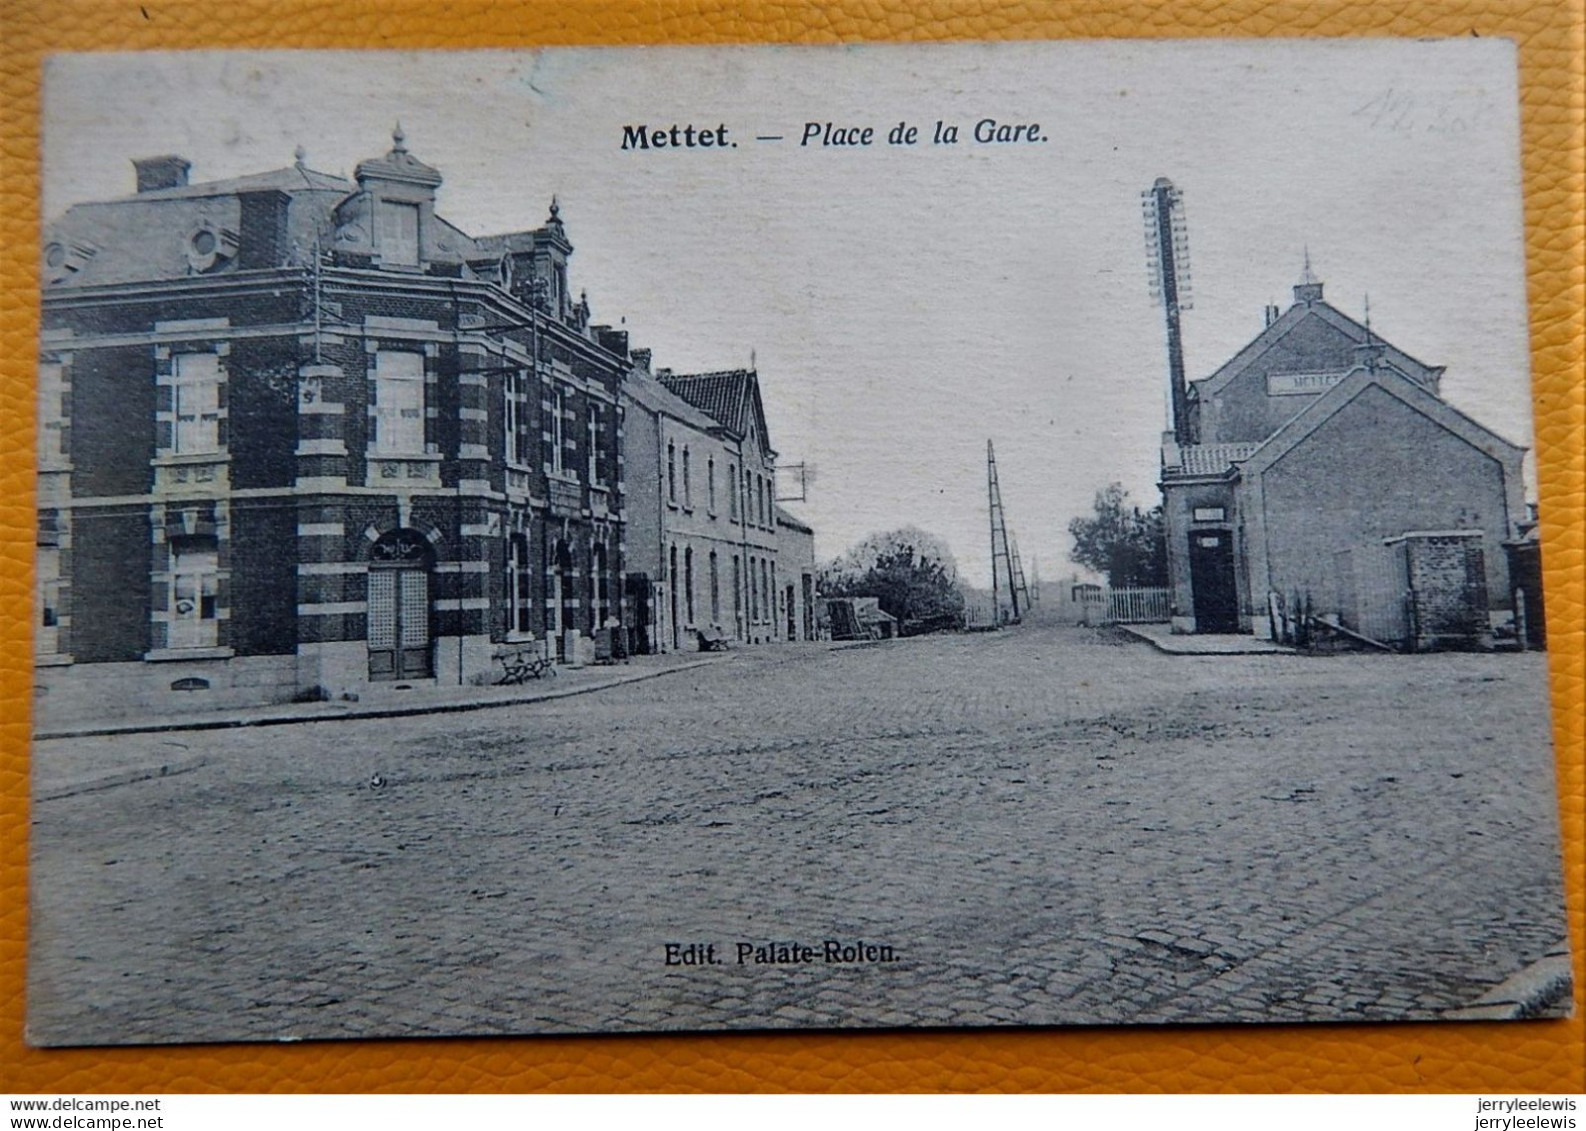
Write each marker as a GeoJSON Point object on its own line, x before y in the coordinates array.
{"type": "Point", "coordinates": [796, 558]}
{"type": "Point", "coordinates": [705, 542]}
{"type": "Point", "coordinates": [301, 436]}
{"type": "Point", "coordinates": [1323, 465]}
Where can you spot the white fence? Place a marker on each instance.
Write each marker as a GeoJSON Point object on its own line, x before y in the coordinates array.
{"type": "Point", "coordinates": [1138, 606]}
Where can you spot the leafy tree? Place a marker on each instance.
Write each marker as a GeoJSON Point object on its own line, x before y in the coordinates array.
{"type": "Point", "coordinates": [1123, 542]}
{"type": "Point", "coordinates": [910, 572]}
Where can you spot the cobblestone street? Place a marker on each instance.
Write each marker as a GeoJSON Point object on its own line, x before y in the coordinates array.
{"type": "Point", "coordinates": [1044, 825]}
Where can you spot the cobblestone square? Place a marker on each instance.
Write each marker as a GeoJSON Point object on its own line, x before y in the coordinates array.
{"type": "Point", "coordinates": [1039, 826]}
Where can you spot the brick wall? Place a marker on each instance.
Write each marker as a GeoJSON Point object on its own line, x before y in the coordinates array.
{"type": "Point", "coordinates": [1375, 470]}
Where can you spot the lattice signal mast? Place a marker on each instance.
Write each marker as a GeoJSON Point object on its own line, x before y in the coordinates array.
{"type": "Point", "coordinates": [1000, 549]}
{"type": "Point", "coordinates": [1167, 255]}
{"type": "Point", "coordinates": [1021, 591]}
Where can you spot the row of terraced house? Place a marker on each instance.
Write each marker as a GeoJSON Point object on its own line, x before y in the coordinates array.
{"type": "Point", "coordinates": [300, 437]}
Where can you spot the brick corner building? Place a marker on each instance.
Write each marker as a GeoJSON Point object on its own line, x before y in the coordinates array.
{"type": "Point", "coordinates": [300, 436]}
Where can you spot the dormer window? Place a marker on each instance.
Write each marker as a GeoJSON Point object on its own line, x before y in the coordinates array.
{"type": "Point", "coordinates": [209, 248]}
{"type": "Point", "coordinates": [398, 233]}
{"type": "Point", "coordinates": [62, 261]}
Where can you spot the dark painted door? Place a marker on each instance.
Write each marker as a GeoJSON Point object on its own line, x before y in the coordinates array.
{"type": "Point", "coordinates": [1212, 580]}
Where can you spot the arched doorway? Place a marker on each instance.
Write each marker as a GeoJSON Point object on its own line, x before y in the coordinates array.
{"type": "Point", "coordinates": [398, 630]}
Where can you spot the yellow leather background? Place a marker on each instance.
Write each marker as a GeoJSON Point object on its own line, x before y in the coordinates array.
{"type": "Point", "coordinates": [1538, 1056]}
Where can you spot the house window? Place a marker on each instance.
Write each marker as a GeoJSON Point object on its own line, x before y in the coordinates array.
{"type": "Point", "coordinates": [710, 485]}
{"type": "Point", "coordinates": [399, 403]}
{"type": "Point", "coordinates": [47, 634]}
{"type": "Point", "coordinates": [737, 597]}
{"type": "Point", "coordinates": [195, 404]}
{"type": "Point", "coordinates": [515, 414]}
{"type": "Point", "coordinates": [519, 574]}
{"type": "Point", "coordinates": [558, 432]}
{"type": "Point", "coordinates": [53, 411]}
{"type": "Point", "coordinates": [602, 588]}
{"type": "Point", "coordinates": [594, 444]}
{"type": "Point", "coordinates": [732, 492]}
{"type": "Point", "coordinates": [194, 584]}
{"type": "Point", "coordinates": [688, 581]}
{"type": "Point", "coordinates": [715, 589]}
{"type": "Point", "coordinates": [754, 594]}
{"type": "Point", "coordinates": [765, 590]}
{"type": "Point", "coordinates": [688, 485]}
{"type": "Point", "coordinates": [671, 473]}
{"type": "Point", "coordinates": [398, 233]}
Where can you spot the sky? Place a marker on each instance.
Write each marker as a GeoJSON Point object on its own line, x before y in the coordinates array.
{"type": "Point", "coordinates": [906, 303]}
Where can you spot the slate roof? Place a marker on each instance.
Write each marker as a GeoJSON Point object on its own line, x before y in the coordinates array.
{"type": "Point", "coordinates": [650, 394]}
{"type": "Point", "coordinates": [1216, 459]}
{"type": "Point", "coordinates": [732, 396]}
{"type": "Point", "coordinates": [293, 178]}
{"type": "Point", "coordinates": [1417, 371]}
{"type": "Point", "coordinates": [785, 518]}
{"type": "Point", "coordinates": [1212, 459]}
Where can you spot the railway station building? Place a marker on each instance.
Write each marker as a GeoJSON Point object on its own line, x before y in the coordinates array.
{"type": "Point", "coordinates": [1321, 468]}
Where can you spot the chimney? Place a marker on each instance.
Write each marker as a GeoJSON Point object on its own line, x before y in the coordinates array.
{"type": "Point", "coordinates": [614, 340]}
{"type": "Point", "coordinates": [262, 239]}
{"type": "Point", "coordinates": [1272, 313]}
{"type": "Point", "coordinates": [164, 172]}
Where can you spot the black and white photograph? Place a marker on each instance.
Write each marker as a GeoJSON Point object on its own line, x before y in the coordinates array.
{"type": "Point", "coordinates": [599, 540]}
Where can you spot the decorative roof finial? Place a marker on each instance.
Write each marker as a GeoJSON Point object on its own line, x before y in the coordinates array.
{"type": "Point", "coordinates": [1307, 277]}
{"type": "Point", "coordinates": [556, 210]}
{"type": "Point", "coordinates": [300, 156]}
{"type": "Point", "coordinates": [752, 361]}
{"type": "Point", "coordinates": [398, 140]}
{"type": "Point", "coordinates": [1368, 319]}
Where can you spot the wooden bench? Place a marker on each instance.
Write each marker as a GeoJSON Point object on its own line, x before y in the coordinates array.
{"type": "Point", "coordinates": [712, 638]}
{"type": "Point", "coordinates": [524, 662]}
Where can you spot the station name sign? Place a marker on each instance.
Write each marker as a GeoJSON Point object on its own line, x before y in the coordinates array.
{"type": "Point", "coordinates": [1301, 384]}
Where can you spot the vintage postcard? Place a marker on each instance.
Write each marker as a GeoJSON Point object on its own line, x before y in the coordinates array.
{"type": "Point", "coordinates": [753, 538]}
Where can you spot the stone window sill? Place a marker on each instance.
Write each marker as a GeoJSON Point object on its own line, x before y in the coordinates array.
{"type": "Point", "coordinates": [171, 655]}
{"type": "Point", "coordinates": [189, 458]}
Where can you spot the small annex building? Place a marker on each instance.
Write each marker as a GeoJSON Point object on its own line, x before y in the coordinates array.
{"type": "Point", "coordinates": [1321, 466]}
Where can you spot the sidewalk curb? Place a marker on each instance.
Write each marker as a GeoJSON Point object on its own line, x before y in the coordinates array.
{"type": "Point", "coordinates": [382, 712]}
{"type": "Point", "coordinates": [124, 777]}
{"type": "Point", "coordinates": [1526, 993]}
{"type": "Point", "coordinates": [1190, 650]}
